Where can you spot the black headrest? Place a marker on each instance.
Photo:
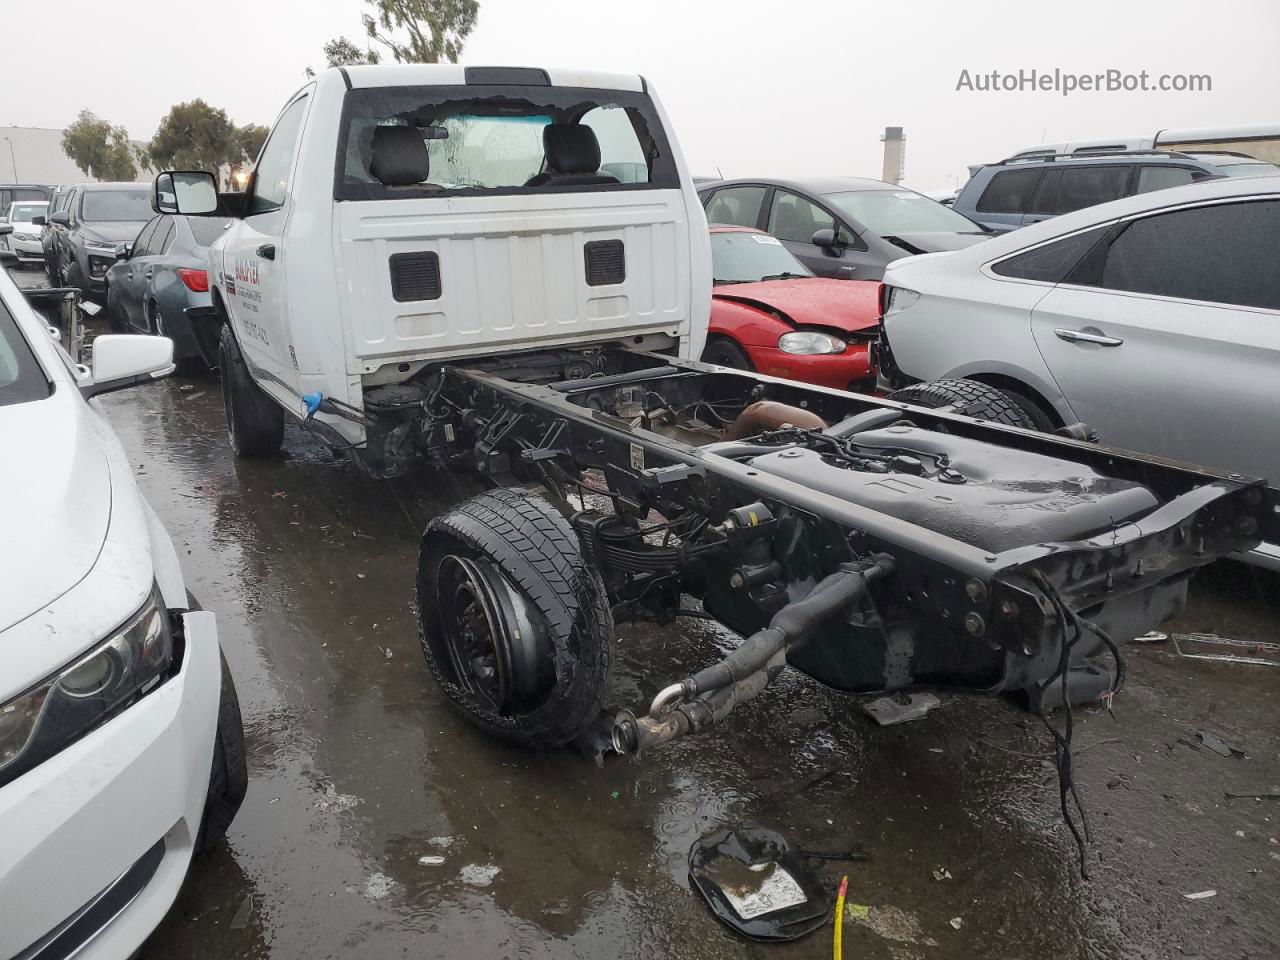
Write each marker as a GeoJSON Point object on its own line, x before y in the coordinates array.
{"type": "Point", "coordinates": [399, 156]}
{"type": "Point", "coordinates": [571, 148]}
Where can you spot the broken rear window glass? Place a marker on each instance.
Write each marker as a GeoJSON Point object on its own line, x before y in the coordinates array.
{"type": "Point", "coordinates": [422, 141]}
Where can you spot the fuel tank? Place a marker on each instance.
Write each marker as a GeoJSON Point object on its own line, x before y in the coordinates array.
{"type": "Point", "coordinates": [994, 498]}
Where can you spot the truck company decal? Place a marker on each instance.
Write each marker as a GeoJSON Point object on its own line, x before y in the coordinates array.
{"type": "Point", "coordinates": [245, 288]}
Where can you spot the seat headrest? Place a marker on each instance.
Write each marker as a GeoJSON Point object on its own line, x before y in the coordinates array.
{"type": "Point", "coordinates": [399, 156]}
{"type": "Point", "coordinates": [571, 148]}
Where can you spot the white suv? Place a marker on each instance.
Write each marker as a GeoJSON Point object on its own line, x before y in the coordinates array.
{"type": "Point", "coordinates": [121, 750]}
{"type": "Point", "coordinates": [1154, 319]}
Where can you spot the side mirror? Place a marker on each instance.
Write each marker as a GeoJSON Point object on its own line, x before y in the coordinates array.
{"type": "Point", "coordinates": [61, 217]}
{"type": "Point", "coordinates": [189, 193]}
{"type": "Point", "coordinates": [6, 229]}
{"type": "Point", "coordinates": [123, 250]}
{"type": "Point", "coordinates": [123, 360]}
{"type": "Point", "coordinates": [828, 239]}
{"type": "Point", "coordinates": [38, 220]}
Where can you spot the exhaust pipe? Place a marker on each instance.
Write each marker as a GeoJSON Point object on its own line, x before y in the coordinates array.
{"type": "Point", "coordinates": [708, 696]}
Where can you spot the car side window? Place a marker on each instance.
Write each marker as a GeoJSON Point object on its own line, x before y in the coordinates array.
{"type": "Point", "coordinates": [796, 219]}
{"type": "Point", "coordinates": [1067, 189]}
{"type": "Point", "coordinates": [1009, 191]}
{"type": "Point", "coordinates": [736, 206]}
{"type": "Point", "coordinates": [162, 237]}
{"type": "Point", "coordinates": [1217, 254]}
{"type": "Point", "coordinates": [139, 248]}
{"type": "Point", "coordinates": [1158, 178]}
{"type": "Point", "coordinates": [275, 165]}
{"type": "Point", "coordinates": [1051, 262]}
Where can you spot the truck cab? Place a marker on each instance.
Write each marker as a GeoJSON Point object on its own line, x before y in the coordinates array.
{"type": "Point", "coordinates": [401, 216]}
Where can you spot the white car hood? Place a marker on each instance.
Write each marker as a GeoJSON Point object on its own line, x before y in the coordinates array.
{"type": "Point", "coordinates": [55, 485]}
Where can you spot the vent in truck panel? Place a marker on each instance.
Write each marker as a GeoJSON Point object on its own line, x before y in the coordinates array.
{"type": "Point", "coordinates": [606, 262]}
{"type": "Point", "coordinates": [415, 276]}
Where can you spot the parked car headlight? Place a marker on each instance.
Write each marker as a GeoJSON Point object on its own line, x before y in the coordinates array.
{"type": "Point", "coordinates": [810, 342]}
{"type": "Point", "coordinates": [64, 707]}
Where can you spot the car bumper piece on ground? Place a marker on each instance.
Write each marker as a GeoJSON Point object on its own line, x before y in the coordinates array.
{"type": "Point", "coordinates": [96, 841]}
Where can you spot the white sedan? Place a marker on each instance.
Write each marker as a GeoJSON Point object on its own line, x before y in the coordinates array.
{"type": "Point", "coordinates": [1154, 319]}
{"type": "Point", "coordinates": [24, 242]}
{"type": "Point", "coordinates": [121, 750]}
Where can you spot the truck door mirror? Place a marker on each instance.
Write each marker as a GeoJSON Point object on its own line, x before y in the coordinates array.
{"type": "Point", "coordinates": [60, 217]}
{"type": "Point", "coordinates": [126, 360]}
{"type": "Point", "coordinates": [38, 220]}
{"type": "Point", "coordinates": [189, 193]}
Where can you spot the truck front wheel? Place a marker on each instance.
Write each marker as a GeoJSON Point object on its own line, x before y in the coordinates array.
{"type": "Point", "coordinates": [514, 622]}
{"type": "Point", "coordinates": [255, 424]}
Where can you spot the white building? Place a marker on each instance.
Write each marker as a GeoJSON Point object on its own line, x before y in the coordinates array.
{"type": "Point", "coordinates": [34, 155]}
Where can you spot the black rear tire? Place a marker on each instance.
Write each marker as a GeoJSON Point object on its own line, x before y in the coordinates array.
{"type": "Point", "coordinates": [726, 353]}
{"type": "Point", "coordinates": [969, 397]}
{"type": "Point", "coordinates": [255, 424]}
{"type": "Point", "coordinates": [229, 776]}
{"type": "Point", "coordinates": [514, 622]}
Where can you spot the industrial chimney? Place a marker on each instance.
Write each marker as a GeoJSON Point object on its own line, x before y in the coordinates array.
{"type": "Point", "coordinates": [895, 155]}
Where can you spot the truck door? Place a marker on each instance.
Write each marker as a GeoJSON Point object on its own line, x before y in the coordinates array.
{"type": "Point", "coordinates": [254, 261]}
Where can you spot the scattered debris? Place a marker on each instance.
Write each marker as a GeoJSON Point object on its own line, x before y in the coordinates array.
{"type": "Point", "coordinates": [1200, 895]}
{"type": "Point", "coordinates": [1213, 743]}
{"type": "Point", "coordinates": [445, 842]}
{"type": "Point", "coordinates": [1274, 792]}
{"type": "Point", "coordinates": [196, 396]}
{"type": "Point", "coordinates": [378, 886]}
{"type": "Point", "coordinates": [431, 860]}
{"type": "Point", "coordinates": [386, 652]}
{"type": "Point", "coordinates": [241, 919]}
{"type": "Point", "coordinates": [891, 923]}
{"type": "Point", "coordinates": [1210, 646]}
{"type": "Point", "coordinates": [888, 710]}
{"type": "Point", "coordinates": [942, 874]}
{"type": "Point", "coordinates": [1152, 636]}
{"type": "Point", "coordinates": [956, 923]}
{"type": "Point", "coordinates": [479, 874]}
{"type": "Point", "coordinates": [756, 885]}
{"type": "Point", "coordinates": [331, 801]}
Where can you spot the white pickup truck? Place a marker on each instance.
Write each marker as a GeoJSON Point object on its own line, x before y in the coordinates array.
{"type": "Point", "coordinates": [400, 216]}
{"type": "Point", "coordinates": [507, 270]}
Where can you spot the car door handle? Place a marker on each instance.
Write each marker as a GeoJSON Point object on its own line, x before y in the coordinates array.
{"type": "Point", "coordinates": [267, 251]}
{"type": "Point", "coordinates": [1083, 336]}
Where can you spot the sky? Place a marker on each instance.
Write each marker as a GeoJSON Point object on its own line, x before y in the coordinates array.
{"type": "Point", "coordinates": [752, 88]}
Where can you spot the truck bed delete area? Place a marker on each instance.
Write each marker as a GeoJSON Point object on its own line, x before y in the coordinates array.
{"type": "Point", "coordinates": [377, 817]}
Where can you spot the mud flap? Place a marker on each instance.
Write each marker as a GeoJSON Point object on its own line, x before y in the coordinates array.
{"type": "Point", "coordinates": [205, 329]}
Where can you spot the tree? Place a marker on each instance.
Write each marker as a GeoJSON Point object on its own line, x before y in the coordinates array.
{"type": "Point", "coordinates": [412, 31]}
{"type": "Point", "coordinates": [252, 136]}
{"type": "Point", "coordinates": [99, 149]}
{"type": "Point", "coordinates": [196, 136]}
{"type": "Point", "coordinates": [341, 52]}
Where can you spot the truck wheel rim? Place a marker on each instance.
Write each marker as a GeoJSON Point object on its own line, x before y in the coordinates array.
{"type": "Point", "coordinates": [496, 650]}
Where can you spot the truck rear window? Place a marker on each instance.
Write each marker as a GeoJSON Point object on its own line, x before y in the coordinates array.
{"type": "Point", "coordinates": [421, 141]}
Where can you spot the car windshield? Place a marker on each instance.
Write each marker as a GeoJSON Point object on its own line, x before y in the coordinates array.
{"type": "Point", "coordinates": [23, 212]}
{"type": "Point", "coordinates": [893, 213]}
{"type": "Point", "coordinates": [207, 229]}
{"type": "Point", "coordinates": [20, 376]}
{"type": "Point", "coordinates": [494, 142]}
{"type": "Point", "coordinates": [741, 257]}
{"type": "Point", "coordinates": [104, 206]}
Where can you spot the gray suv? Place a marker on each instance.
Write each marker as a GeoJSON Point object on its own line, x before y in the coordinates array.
{"type": "Point", "coordinates": [1013, 193]}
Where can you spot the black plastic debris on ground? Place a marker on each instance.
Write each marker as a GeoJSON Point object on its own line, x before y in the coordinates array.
{"type": "Point", "coordinates": [757, 886]}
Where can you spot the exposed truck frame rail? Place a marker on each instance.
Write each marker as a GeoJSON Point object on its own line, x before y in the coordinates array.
{"type": "Point", "coordinates": [956, 611]}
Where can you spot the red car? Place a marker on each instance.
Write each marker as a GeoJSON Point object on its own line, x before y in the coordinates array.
{"type": "Point", "coordinates": [771, 315]}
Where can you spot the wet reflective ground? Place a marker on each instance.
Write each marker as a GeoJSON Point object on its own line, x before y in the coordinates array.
{"type": "Point", "coordinates": [359, 768]}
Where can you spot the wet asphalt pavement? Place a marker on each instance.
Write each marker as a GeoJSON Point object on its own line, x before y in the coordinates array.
{"type": "Point", "coordinates": [359, 768]}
